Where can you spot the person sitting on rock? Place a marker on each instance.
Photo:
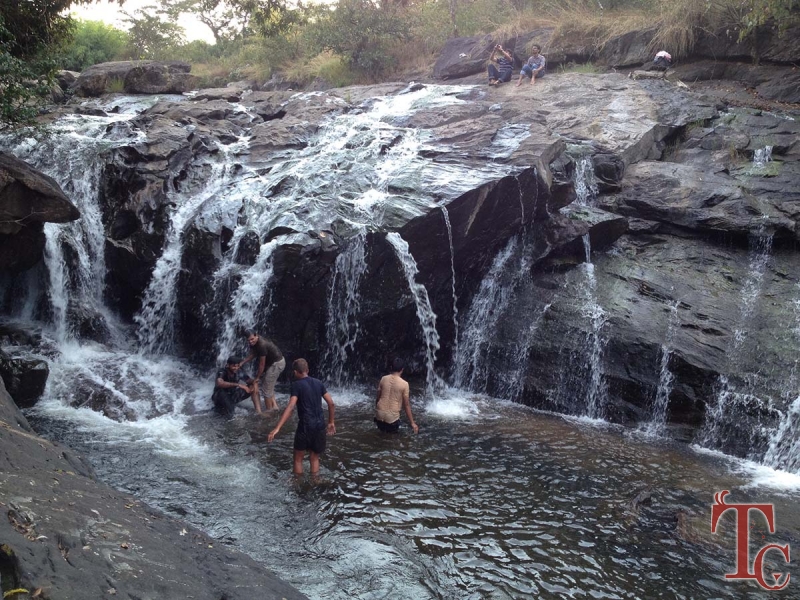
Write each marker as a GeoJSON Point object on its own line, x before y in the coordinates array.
{"type": "Point", "coordinates": [231, 387]}
{"type": "Point", "coordinates": [534, 67]}
{"type": "Point", "coordinates": [392, 396]}
{"type": "Point", "coordinates": [502, 72]}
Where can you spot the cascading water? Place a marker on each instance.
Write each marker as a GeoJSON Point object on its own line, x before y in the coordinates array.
{"type": "Point", "coordinates": [470, 366]}
{"type": "Point", "coordinates": [783, 451]}
{"type": "Point", "coordinates": [658, 416]}
{"type": "Point", "coordinates": [514, 383]}
{"type": "Point", "coordinates": [730, 394]}
{"type": "Point", "coordinates": [425, 314]}
{"type": "Point", "coordinates": [761, 157]}
{"type": "Point", "coordinates": [74, 154]}
{"type": "Point", "coordinates": [246, 301]}
{"type": "Point", "coordinates": [344, 303]}
{"type": "Point", "coordinates": [156, 319]}
{"type": "Point", "coordinates": [584, 388]}
{"type": "Point", "coordinates": [449, 227]}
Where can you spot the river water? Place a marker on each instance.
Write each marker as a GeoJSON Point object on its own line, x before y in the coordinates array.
{"type": "Point", "coordinates": [490, 500]}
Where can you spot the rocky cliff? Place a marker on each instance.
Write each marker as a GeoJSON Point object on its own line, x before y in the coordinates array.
{"type": "Point", "coordinates": [272, 209]}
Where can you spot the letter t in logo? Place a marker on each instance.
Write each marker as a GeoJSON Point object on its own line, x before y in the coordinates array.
{"type": "Point", "coordinates": [743, 540]}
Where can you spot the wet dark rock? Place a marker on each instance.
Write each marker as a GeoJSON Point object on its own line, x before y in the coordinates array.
{"type": "Point", "coordinates": [24, 377]}
{"type": "Point", "coordinates": [629, 49]}
{"type": "Point", "coordinates": [106, 542]}
{"type": "Point", "coordinates": [28, 199]}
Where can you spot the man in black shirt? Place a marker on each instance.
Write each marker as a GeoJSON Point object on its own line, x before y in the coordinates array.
{"type": "Point", "coordinates": [307, 393]}
{"type": "Point", "coordinates": [270, 365]}
{"type": "Point", "coordinates": [231, 387]}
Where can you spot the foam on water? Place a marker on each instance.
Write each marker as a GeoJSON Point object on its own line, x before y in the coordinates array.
{"type": "Point", "coordinates": [761, 476]}
{"type": "Point", "coordinates": [454, 405]}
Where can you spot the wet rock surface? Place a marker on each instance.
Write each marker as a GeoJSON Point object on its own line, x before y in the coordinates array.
{"type": "Point", "coordinates": [66, 535]}
{"type": "Point", "coordinates": [28, 199]}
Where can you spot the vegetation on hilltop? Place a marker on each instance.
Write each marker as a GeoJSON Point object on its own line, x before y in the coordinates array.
{"type": "Point", "coordinates": [349, 41]}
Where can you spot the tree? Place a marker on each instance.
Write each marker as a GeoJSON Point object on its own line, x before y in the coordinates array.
{"type": "Point", "coordinates": [227, 20]}
{"type": "Point", "coordinates": [152, 34]}
{"type": "Point", "coordinates": [94, 42]}
{"type": "Point", "coordinates": [31, 33]}
{"type": "Point", "coordinates": [760, 12]}
{"type": "Point", "coordinates": [360, 31]}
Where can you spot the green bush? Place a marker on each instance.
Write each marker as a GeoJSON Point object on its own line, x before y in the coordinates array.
{"type": "Point", "coordinates": [361, 32]}
{"type": "Point", "coordinates": [94, 42]}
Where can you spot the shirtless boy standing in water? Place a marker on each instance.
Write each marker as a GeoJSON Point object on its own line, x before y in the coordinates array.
{"type": "Point", "coordinates": [392, 396]}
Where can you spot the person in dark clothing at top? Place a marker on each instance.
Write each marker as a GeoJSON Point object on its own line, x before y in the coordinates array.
{"type": "Point", "coordinates": [269, 366]}
{"type": "Point", "coordinates": [231, 387]}
{"type": "Point", "coordinates": [307, 393]}
{"type": "Point", "coordinates": [502, 72]}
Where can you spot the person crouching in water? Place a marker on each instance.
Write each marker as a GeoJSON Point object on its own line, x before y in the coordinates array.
{"type": "Point", "coordinates": [502, 72]}
{"type": "Point", "coordinates": [393, 395]}
{"type": "Point", "coordinates": [231, 387]}
{"type": "Point", "coordinates": [307, 393]}
{"type": "Point", "coordinates": [534, 67]}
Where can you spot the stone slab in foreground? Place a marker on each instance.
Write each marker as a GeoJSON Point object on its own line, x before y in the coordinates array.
{"type": "Point", "coordinates": [66, 536]}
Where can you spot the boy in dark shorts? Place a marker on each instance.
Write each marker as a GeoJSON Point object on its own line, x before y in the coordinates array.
{"type": "Point", "coordinates": [307, 393]}
{"type": "Point", "coordinates": [231, 387]}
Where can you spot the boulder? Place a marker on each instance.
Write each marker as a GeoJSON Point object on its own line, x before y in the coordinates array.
{"type": "Point", "coordinates": [24, 378]}
{"type": "Point", "coordinates": [159, 78]}
{"type": "Point", "coordinates": [65, 78]}
{"type": "Point", "coordinates": [629, 49]}
{"type": "Point", "coordinates": [464, 56]}
{"type": "Point", "coordinates": [135, 77]}
{"type": "Point", "coordinates": [111, 543]}
{"type": "Point", "coordinates": [28, 199]}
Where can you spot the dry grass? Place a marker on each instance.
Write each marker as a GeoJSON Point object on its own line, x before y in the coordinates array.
{"type": "Point", "coordinates": [326, 65]}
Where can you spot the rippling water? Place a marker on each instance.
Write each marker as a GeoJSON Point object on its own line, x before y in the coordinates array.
{"type": "Point", "coordinates": [490, 500]}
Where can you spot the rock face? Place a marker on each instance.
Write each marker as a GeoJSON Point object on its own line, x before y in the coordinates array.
{"type": "Point", "coordinates": [28, 199]}
{"type": "Point", "coordinates": [107, 543]}
{"type": "Point", "coordinates": [135, 77]}
{"type": "Point", "coordinates": [282, 212]}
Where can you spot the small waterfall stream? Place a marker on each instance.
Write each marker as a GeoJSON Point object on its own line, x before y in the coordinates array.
{"type": "Point", "coordinates": [583, 385]}
{"type": "Point", "coordinates": [425, 314]}
{"type": "Point", "coordinates": [658, 415]}
{"type": "Point", "coordinates": [449, 227]}
{"type": "Point", "coordinates": [721, 414]}
{"type": "Point", "coordinates": [344, 302]}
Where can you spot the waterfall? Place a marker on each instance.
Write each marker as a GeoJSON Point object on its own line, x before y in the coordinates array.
{"type": "Point", "coordinates": [658, 415]}
{"type": "Point", "coordinates": [761, 157]}
{"type": "Point", "coordinates": [513, 385]}
{"type": "Point", "coordinates": [73, 154]}
{"type": "Point", "coordinates": [449, 227]}
{"type": "Point", "coordinates": [425, 314]}
{"type": "Point", "coordinates": [729, 394]}
{"type": "Point", "coordinates": [783, 451]}
{"type": "Point", "coordinates": [246, 301]}
{"type": "Point", "coordinates": [470, 365]}
{"type": "Point", "coordinates": [344, 303]}
{"type": "Point", "coordinates": [583, 386]}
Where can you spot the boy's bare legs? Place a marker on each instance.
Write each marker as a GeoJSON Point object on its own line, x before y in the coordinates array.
{"type": "Point", "coordinates": [256, 399]}
{"type": "Point", "coordinates": [313, 458]}
{"type": "Point", "coordinates": [533, 79]}
{"type": "Point", "coordinates": [519, 82]}
{"type": "Point", "coordinates": [298, 462]}
{"type": "Point", "coordinates": [270, 403]}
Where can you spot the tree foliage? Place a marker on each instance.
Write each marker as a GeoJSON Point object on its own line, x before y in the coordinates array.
{"type": "Point", "coordinates": [94, 42]}
{"type": "Point", "coordinates": [31, 34]}
{"type": "Point", "coordinates": [361, 32]}
{"type": "Point", "coordinates": [152, 34]}
{"type": "Point", "coordinates": [760, 12]}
